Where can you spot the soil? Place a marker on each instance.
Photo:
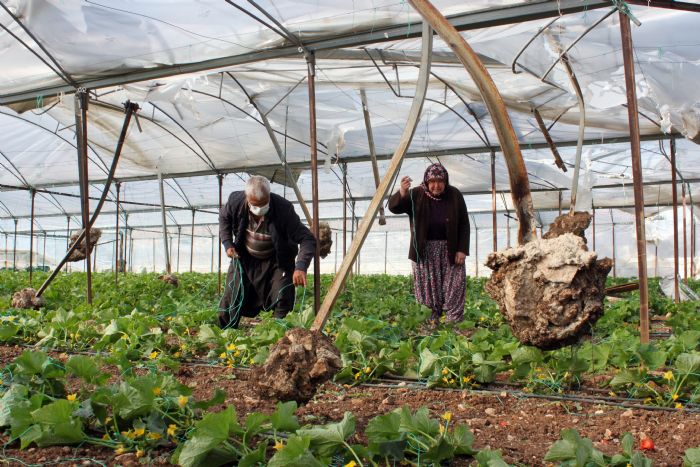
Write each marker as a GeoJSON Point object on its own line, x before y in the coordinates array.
{"type": "Point", "coordinates": [325, 239]}
{"type": "Point", "coordinates": [550, 291]}
{"type": "Point", "coordinates": [170, 279]}
{"type": "Point", "coordinates": [568, 223]}
{"type": "Point", "coordinates": [300, 362]}
{"type": "Point", "coordinates": [522, 428]}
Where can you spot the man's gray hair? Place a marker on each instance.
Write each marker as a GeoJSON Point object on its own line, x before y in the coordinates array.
{"type": "Point", "coordinates": [257, 187]}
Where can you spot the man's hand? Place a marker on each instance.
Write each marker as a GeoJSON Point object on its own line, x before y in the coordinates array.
{"type": "Point", "coordinates": [299, 278]}
{"type": "Point", "coordinates": [459, 258]}
{"type": "Point", "coordinates": [405, 185]}
{"type": "Point", "coordinates": [230, 252]}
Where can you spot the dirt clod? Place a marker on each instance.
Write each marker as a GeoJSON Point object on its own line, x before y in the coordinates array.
{"type": "Point", "coordinates": [300, 362]}
{"type": "Point", "coordinates": [81, 253]}
{"type": "Point", "coordinates": [567, 223]}
{"type": "Point", "coordinates": [170, 279]}
{"type": "Point", "coordinates": [325, 238]}
{"type": "Point", "coordinates": [26, 298]}
{"type": "Point", "coordinates": [550, 291]}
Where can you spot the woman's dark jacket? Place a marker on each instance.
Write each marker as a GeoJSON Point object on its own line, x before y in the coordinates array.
{"type": "Point", "coordinates": [284, 226]}
{"type": "Point", "coordinates": [457, 220]}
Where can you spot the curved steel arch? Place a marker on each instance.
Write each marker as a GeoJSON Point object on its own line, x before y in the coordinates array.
{"type": "Point", "coordinates": [59, 136]}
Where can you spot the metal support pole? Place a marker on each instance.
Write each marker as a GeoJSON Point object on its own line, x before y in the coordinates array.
{"type": "Point", "coordinates": [335, 261]}
{"type": "Point", "coordinates": [211, 269]}
{"type": "Point", "coordinates": [311, 70]}
{"type": "Point", "coordinates": [67, 239]}
{"type": "Point", "coordinates": [372, 151]}
{"type": "Point", "coordinates": [117, 262]}
{"type": "Point", "coordinates": [674, 195]}
{"type": "Point", "coordinates": [6, 251]}
{"type": "Point", "coordinates": [32, 194]}
{"type": "Point", "coordinates": [154, 254]}
{"type": "Point", "coordinates": [179, 232]}
{"type": "Point", "coordinates": [612, 222]}
{"type": "Point", "coordinates": [192, 244]}
{"type": "Point", "coordinates": [43, 254]}
{"type": "Point", "coordinates": [628, 57]}
{"type": "Point", "coordinates": [494, 220]}
{"type": "Point", "coordinates": [220, 178]}
{"type": "Point", "coordinates": [593, 215]}
{"type": "Point", "coordinates": [685, 238]}
{"type": "Point", "coordinates": [14, 249]}
{"type": "Point", "coordinates": [559, 193]}
{"type": "Point", "coordinates": [476, 250]}
{"type": "Point", "coordinates": [168, 270]}
{"type": "Point", "coordinates": [386, 245]}
{"type": "Point", "coordinates": [81, 107]}
{"type": "Point", "coordinates": [548, 138]}
{"type": "Point", "coordinates": [131, 249]}
{"type": "Point", "coordinates": [94, 258]}
{"type": "Point", "coordinates": [692, 237]}
{"type": "Point", "coordinates": [345, 208]}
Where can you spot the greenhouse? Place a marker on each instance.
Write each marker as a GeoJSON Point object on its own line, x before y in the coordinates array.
{"type": "Point", "coordinates": [137, 120]}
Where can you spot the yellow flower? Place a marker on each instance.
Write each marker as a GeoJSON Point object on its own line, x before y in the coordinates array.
{"type": "Point", "coordinates": [452, 381]}
{"type": "Point", "coordinates": [675, 397]}
{"type": "Point", "coordinates": [351, 464]}
{"type": "Point", "coordinates": [139, 453]}
{"type": "Point", "coordinates": [71, 397]}
{"type": "Point", "coordinates": [157, 391]}
{"type": "Point", "coordinates": [445, 371]}
{"type": "Point", "coordinates": [612, 394]}
{"type": "Point", "coordinates": [442, 429]}
{"type": "Point", "coordinates": [154, 436]}
{"type": "Point", "coordinates": [466, 379]}
{"type": "Point", "coordinates": [10, 318]}
{"type": "Point", "coordinates": [182, 401]}
{"type": "Point", "coordinates": [139, 431]}
{"type": "Point", "coordinates": [252, 361]}
{"type": "Point", "coordinates": [124, 337]}
{"type": "Point", "coordinates": [483, 318]}
{"type": "Point", "coordinates": [279, 445]}
{"type": "Point", "coordinates": [172, 428]}
{"type": "Point", "coordinates": [153, 355]}
{"type": "Point", "coordinates": [447, 416]}
{"type": "Point", "coordinates": [105, 437]}
{"type": "Point", "coordinates": [679, 405]}
{"type": "Point", "coordinates": [222, 355]}
{"type": "Point", "coordinates": [368, 369]}
{"type": "Point", "coordinates": [668, 375]}
{"type": "Point", "coordinates": [120, 449]}
{"type": "Point", "coordinates": [237, 353]}
{"type": "Point", "coordinates": [231, 347]}
{"type": "Point", "coordinates": [177, 355]}
{"type": "Point", "coordinates": [357, 375]}
{"type": "Point", "coordinates": [444, 380]}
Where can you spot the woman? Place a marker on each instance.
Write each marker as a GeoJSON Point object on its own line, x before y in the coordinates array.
{"type": "Point", "coordinates": [439, 241]}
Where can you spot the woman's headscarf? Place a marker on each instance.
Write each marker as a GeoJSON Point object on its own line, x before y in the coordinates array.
{"type": "Point", "coordinates": [435, 172]}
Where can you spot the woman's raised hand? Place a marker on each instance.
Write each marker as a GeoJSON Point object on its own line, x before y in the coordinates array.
{"type": "Point", "coordinates": [405, 185]}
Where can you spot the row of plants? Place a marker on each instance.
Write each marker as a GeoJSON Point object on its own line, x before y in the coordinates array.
{"type": "Point", "coordinates": [156, 412]}
{"type": "Point", "coordinates": [376, 326]}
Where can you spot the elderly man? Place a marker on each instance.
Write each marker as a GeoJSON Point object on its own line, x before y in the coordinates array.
{"type": "Point", "coordinates": [271, 253]}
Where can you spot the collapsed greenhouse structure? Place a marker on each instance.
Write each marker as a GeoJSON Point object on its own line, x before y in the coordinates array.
{"type": "Point", "coordinates": [156, 112]}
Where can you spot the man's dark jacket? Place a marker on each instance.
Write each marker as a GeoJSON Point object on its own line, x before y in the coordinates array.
{"type": "Point", "coordinates": [284, 227]}
{"type": "Point", "coordinates": [415, 204]}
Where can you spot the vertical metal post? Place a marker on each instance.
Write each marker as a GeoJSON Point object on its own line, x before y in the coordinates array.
{"type": "Point", "coordinates": [94, 258]}
{"type": "Point", "coordinates": [476, 250]}
{"type": "Point", "coordinates": [179, 232]}
{"type": "Point", "coordinates": [164, 223]}
{"type": "Point", "coordinates": [612, 222]}
{"type": "Point", "coordinates": [627, 54]}
{"type": "Point", "coordinates": [192, 244]}
{"type": "Point", "coordinates": [559, 193]}
{"type": "Point", "coordinates": [43, 255]}
{"type": "Point", "coordinates": [32, 194]}
{"type": "Point", "coordinates": [311, 70]}
{"type": "Point", "coordinates": [131, 249]}
{"type": "Point", "coordinates": [345, 208]}
{"type": "Point", "coordinates": [372, 151]}
{"type": "Point", "coordinates": [6, 251]}
{"type": "Point", "coordinates": [67, 240]}
{"type": "Point", "coordinates": [335, 262]}
{"type": "Point", "coordinates": [14, 249]}
{"type": "Point", "coordinates": [127, 242]}
{"type": "Point", "coordinates": [81, 107]}
{"type": "Point", "coordinates": [211, 269]}
{"type": "Point", "coordinates": [593, 215]}
{"type": "Point", "coordinates": [386, 244]}
{"type": "Point", "coordinates": [692, 236]}
{"type": "Point", "coordinates": [494, 221]}
{"type": "Point", "coordinates": [674, 196]}
{"type": "Point", "coordinates": [117, 255]}
{"type": "Point", "coordinates": [221, 200]}
{"type": "Point", "coordinates": [685, 238]}
{"type": "Point", "coordinates": [507, 231]}
{"type": "Point", "coordinates": [154, 254]}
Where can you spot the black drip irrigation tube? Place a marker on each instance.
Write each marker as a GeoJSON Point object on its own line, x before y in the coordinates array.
{"type": "Point", "coordinates": [418, 385]}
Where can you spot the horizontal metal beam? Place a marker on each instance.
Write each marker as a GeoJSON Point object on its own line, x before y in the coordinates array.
{"type": "Point", "coordinates": [463, 22]}
{"type": "Point", "coordinates": [305, 165]}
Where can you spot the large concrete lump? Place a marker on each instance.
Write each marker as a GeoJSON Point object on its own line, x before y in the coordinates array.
{"type": "Point", "coordinates": [550, 291]}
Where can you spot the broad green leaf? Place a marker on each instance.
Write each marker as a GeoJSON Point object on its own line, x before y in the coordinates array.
{"type": "Point", "coordinates": [651, 357]}
{"type": "Point", "coordinates": [420, 422]}
{"type": "Point", "coordinates": [83, 367]}
{"type": "Point", "coordinates": [58, 426]}
{"type": "Point", "coordinates": [488, 458]}
{"type": "Point", "coordinates": [688, 363]}
{"type": "Point", "coordinates": [442, 450]}
{"type": "Point", "coordinates": [627, 444]}
{"type": "Point", "coordinates": [32, 362]}
{"type": "Point", "coordinates": [219, 397]}
{"type": "Point", "coordinates": [295, 453]}
{"type": "Point", "coordinates": [255, 457]}
{"type": "Point", "coordinates": [639, 460]}
{"type": "Point", "coordinates": [428, 361]}
{"type": "Point", "coordinates": [208, 433]}
{"type": "Point", "coordinates": [12, 397]}
{"type": "Point", "coordinates": [384, 437]}
{"type": "Point", "coordinates": [254, 423]}
{"type": "Point", "coordinates": [692, 457]}
{"type": "Point", "coordinates": [561, 450]}
{"type": "Point", "coordinates": [8, 331]}
{"type": "Point", "coordinates": [526, 354]}
{"type": "Point", "coordinates": [625, 377]}
{"type": "Point", "coordinates": [462, 439]}
{"type": "Point", "coordinates": [283, 418]}
{"type": "Point", "coordinates": [328, 439]}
